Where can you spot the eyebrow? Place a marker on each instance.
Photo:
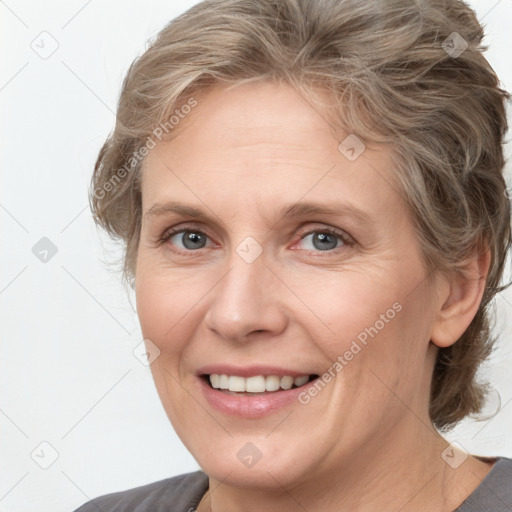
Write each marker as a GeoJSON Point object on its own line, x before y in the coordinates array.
{"type": "Point", "coordinates": [301, 209]}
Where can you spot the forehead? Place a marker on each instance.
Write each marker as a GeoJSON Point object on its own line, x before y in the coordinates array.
{"type": "Point", "coordinates": [264, 145]}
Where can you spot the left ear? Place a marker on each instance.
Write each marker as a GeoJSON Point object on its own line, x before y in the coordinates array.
{"type": "Point", "coordinates": [460, 299]}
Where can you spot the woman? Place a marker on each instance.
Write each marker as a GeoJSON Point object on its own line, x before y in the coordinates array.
{"type": "Point", "coordinates": [315, 218]}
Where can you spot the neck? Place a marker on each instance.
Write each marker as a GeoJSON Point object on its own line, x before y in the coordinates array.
{"type": "Point", "coordinates": [405, 473]}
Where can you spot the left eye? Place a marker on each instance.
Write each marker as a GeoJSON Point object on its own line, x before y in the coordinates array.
{"type": "Point", "coordinates": [323, 240]}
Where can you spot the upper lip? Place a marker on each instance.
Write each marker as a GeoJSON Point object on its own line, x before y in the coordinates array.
{"type": "Point", "coordinates": [249, 371]}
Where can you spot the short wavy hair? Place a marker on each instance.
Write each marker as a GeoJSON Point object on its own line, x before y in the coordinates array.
{"type": "Point", "coordinates": [410, 74]}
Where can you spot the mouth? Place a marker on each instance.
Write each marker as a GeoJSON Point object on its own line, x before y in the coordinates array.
{"type": "Point", "coordinates": [255, 385]}
{"type": "Point", "coordinates": [253, 391]}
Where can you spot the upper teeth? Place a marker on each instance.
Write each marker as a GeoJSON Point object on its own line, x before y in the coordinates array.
{"type": "Point", "coordinates": [256, 384]}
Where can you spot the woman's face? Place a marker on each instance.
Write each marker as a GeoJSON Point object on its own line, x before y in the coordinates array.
{"type": "Point", "coordinates": [304, 261]}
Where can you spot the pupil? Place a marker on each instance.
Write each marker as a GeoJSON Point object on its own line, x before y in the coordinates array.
{"type": "Point", "coordinates": [190, 239]}
{"type": "Point", "coordinates": [324, 238]}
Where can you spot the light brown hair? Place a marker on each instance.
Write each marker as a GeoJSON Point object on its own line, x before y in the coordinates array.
{"type": "Point", "coordinates": [410, 74]}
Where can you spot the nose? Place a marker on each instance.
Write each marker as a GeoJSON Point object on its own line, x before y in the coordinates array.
{"type": "Point", "coordinates": [247, 301]}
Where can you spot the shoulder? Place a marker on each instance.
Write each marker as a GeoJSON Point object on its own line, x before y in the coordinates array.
{"type": "Point", "coordinates": [176, 494]}
{"type": "Point", "coordinates": [495, 491]}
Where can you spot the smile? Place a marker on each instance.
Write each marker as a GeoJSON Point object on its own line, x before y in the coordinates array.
{"type": "Point", "coordinates": [261, 395]}
{"type": "Point", "coordinates": [257, 384]}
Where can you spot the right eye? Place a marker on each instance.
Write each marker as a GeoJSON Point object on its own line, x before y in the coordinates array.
{"type": "Point", "coordinates": [185, 239]}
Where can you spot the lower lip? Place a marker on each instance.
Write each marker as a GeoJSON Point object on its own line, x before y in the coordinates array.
{"type": "Point", "coordinates": [251, 406]}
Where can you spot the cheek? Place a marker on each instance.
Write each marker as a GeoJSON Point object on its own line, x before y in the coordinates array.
{"type": "Point", "coordinates": [165, 307]}
{"type": "Point", "coordinates": [372, 322]}
{"type": "Point", "coordinates": [395, 356]}
{"type": "Point", "coordinates": [167, 299]}
{"type": "Point", "coordinates": [350, 306]}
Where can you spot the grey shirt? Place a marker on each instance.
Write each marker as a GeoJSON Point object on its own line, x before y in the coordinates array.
{"type": "Point", "coordinates": [183, 493]}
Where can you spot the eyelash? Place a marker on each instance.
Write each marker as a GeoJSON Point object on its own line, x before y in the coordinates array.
{"type": "Point", "coordinates": [345, 239]}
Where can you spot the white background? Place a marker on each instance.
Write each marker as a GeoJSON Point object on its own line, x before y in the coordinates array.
{"type": "Point", "coordinates": [68, 376]}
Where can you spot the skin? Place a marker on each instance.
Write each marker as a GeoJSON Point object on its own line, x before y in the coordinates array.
{"type": "Point", "coordinates": [365, 442]}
